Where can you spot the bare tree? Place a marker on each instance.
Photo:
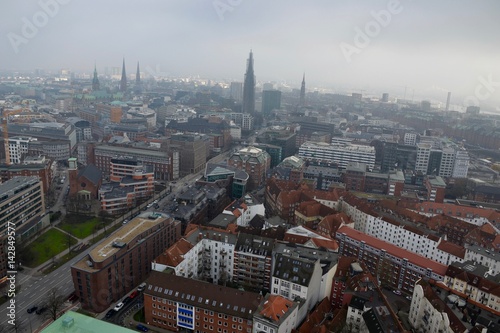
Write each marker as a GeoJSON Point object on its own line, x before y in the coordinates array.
{"type": "Point", "coordinates": [54, 303]}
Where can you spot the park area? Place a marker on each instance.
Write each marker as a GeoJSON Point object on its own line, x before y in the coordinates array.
{"type": "Point", "coordinates": [82, 226]}
{"type": "Point", "coordinates": [46, 247]}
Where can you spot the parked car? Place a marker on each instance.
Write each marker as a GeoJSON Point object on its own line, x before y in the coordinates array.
{"type": "Point", "coordinates": [141, 287]}
{"type": "Point", "coordinates": [397, 292]}
{"type": "Point", "coordinates": [126, 300]}
{"type": "Point", "coordinates": [134, 294]}
{"type": "Point", "coordinates": [125, 221]}
{"type": "Point", "coordinates": [142, 328]}
{"type": "Point", "coordinates": [118, 306]}
{"type": "Point", "coordinates": [408, 298]}
{"type": "Point", "coordinates": [32, 309]}
{"type": "Point", "coordinates": [110, 313]}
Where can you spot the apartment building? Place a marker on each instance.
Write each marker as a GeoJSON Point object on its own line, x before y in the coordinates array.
{"type": "Point", "coordinates": [393, 266]}
{"type": "Point", "coordinates": [275, 314]}
{"type": "Point", "coordinates": [254, 161]}
{"type": "Point", "coordinates": [245, 209]}
{"type": "Point", "coordinates": [177, 303]}
{"type": "Point", "coordinates": [122, 261]}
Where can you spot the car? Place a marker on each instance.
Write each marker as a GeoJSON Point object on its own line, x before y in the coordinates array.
{"type": "Point", "coordinates": [142, 328]}
{"type": "Point", "coordinates": [118, 306]}
{"type": "Point", "coordinates": [125, 221]}
{"type": "Point", "coordinates": [126, 300]}
{"type": "Point", "coordinates": [408, 298]}
{"type": "Point", "coordinates": [32, 309]}
{"type": "Point", "coordinates": [110, 313]}
{"type": "Point", "coordinates": [41, 310]}
{"type": "Point", "coordinates": [134, 294]}
{"type": "Point", "coordinates": [397, 292]}
{"type": "Point", "coordinates": [141, 287]}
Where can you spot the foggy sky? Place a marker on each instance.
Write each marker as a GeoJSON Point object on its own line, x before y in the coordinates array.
{"type": "Point", "coordinates": [430, 47]}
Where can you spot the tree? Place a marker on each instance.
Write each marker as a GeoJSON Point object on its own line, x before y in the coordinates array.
{"type": "Point", "coordinates": [54, 303]}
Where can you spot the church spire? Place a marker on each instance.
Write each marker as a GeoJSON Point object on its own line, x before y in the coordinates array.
{"type": "Point", "coordinates": [303, 91]}
{"type": "Point", "coordinates": [249, 87]}
{"type": "Point", "coordinates": [123, 81]}
{"type": "Point", "coordinates": [95, 81]}
{"type": "Point", "coordinates": [138, 84]}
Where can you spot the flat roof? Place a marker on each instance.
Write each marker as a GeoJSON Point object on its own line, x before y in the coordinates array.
{"type": "Point", "coordinates": [12, 186]}
{"type": "Point", "coordinates": [73, 322]}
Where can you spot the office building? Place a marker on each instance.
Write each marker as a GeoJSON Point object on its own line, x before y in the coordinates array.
{"type": "Point", "coordinates": [236, 91]}
{"type": "Point", "coordinates": [271, 99]}
{"type": "Point", "coordinates": [130, 182]}
{"type": "Point", "coordinates": [255, 162]}
{"type": "Point", "coordinates": [337, 154]}
{"type": "Point", "coordinates": [192, 152]}
{"type": "Point", "coordinates": [122, 261]}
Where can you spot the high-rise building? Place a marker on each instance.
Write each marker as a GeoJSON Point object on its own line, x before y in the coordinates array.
{"type": "Point", "coordinates": [123, 81]}
{"type": "Point", "coordinates": [236, 91]}
{"type": "Point", "coordinates": [448, 100]}
{"type": "Point", "coordinates": [271, 99]}
{"type": "Point", "coordinates": [303, 90]}
{"type": "Point", "coordinates": [249, 87]}
{"type": "Point", "coordinates": [95, 81]}
{"type": "Point", "coordinates": [472, 109]}
{"type": "Point", "coordinates": [138, 84]}
{"type": "Point", "coordinates": [385, 97]}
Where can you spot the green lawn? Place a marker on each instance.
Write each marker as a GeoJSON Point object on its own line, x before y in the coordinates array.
{"type": "Point", "coordinates": [80, 227]}
{"type": "Point", "coordinates": [46, 247]}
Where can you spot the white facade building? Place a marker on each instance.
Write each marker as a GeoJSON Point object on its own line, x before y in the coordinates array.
{"type": "Point", "coordinates": [410, 139]}
{"type": "Point", "coordinates": [18, 147]}
{"type": "Point", "coordinates": [423, 154]}
{"type": "Point", "coordinates": [340, 154]}
{"type": "Point", "coordinates": [275, 314]}
{"type": "Point", "coordinates": [461, 166]}
{"type": "Point", "coordinates": [447, 162]}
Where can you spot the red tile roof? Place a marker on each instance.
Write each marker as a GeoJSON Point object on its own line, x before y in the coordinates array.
{"type": "Point", "coordinates": [394, 250]}
{"type": "Point", "coordinates": [451, 248]}
{"type": "Point", "coordinates": [275, 307]}
{"type": "Point", "coordinates": [174, 255]}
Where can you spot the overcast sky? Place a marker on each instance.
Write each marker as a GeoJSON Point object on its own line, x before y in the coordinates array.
{"type": "Point", "coordinates": [430, 47]}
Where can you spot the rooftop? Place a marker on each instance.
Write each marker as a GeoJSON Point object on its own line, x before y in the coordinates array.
{"type": "Point", "coordinates": [72, 322]}
{"type": "Point", "coordinates": [16, 185]}
{"type": "Point", "coordinates": [276, 308]}
{"type": "Point", "coordinates": [203, 294]}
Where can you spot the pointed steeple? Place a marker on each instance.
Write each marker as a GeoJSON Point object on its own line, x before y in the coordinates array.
{"type": "Point", "coordinates": [303, 91]}
{"type": "Point", "coordinates": [123, 82]}
{"type": "Point", "coordinates": [95, 81]}
{"type": "Point", "coordinates": [138, 84]}
{"type": "Point", "coordinates": [249, 87]}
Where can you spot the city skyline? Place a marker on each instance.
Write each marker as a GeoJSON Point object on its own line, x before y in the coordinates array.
{"type": "Point", "coordinates": [418, 49]}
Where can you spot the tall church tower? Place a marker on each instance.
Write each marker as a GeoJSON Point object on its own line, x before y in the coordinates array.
{"type": "Point", "coordinates": [138, 84]}
{"type": "Point", "coordinates": [249, 87]}
{"type": "Point", "coordinates": [95, 81]}
{"type": "Point", "coordinates": [123, 82]}
{"type": "Point", "coordinates": [303, 91]}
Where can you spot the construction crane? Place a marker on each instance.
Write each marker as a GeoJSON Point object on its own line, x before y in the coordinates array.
{"type": "Point", "coordinates": [5, 120]}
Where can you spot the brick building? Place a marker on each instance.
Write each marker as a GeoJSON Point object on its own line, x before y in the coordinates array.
{"type": "Point", "coordinates": [179, 304]}
{"type": "Point", "coordinates": [253, 161]}
{"type": "Point", "coordinates": [123, 260]}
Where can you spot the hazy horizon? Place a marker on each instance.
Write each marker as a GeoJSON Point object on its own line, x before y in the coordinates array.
{"type": "Point", "coordinates": [430, 48]}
